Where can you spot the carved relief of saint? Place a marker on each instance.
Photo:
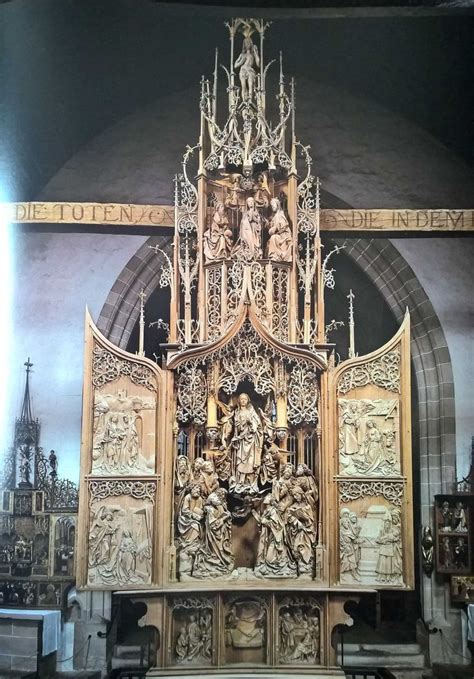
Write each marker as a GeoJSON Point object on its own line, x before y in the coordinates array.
{"type": "Point", "coordinates": [247, 61]}
{"type": "Point", "coordinates": [349, 543]}
{"type": "Point", "coordinates": [118, 433]}
{"type": "Point", "coordinates": [217, 241]}
{"type": "Point", "coordinates": [389, 563]}
{"type": "Point", "coordinates": [249, 244]}
{"type": "Point", "coordinates": [246, 443]}
{"type": "Point", "coordinates": [280, 245]}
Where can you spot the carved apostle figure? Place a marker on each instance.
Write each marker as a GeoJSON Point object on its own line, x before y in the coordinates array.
{"type": "Point", "coordinates": [301, 531]}
{"type": "Point", "coordinates": [214, 556]}
{"type": "Point", "coordinates": [189, 525]}
{"type": "Point", "coordinates": [279, 246]}
{"type": "Point", "coordinates": [183, 473]}
{"type": "Point", "coordinates": [306, 481]}
{"type": "Point", "coordinates": [246, 443]}
{"type": "Point", "coordinates": [247, 61]}
{"type": "Point", "coordinates": [282, 487]}
{"type": "Point", "coordinates": [249, 244]}
{"type": "Point", "coordinates": [273, 558]}
{"type": "Point", "coordinates": [209, 481]}
{"type": "Point", "coordinates": [217, 241]}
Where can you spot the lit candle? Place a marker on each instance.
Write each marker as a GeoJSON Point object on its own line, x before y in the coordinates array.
{"type": "Point", "coordinates": [211, 412]}
{"type": "Point", "coordinates": [281, 419]}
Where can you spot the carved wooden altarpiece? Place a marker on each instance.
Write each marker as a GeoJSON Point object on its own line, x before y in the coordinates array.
{"type": "Point", "coordinates": [248, 488]}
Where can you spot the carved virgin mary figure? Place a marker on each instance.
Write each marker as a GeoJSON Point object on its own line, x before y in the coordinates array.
{"type": "Point", "coordinates": [249, 244]}
{"type": "Point", "coordinates": [279, 246]}
{"type": "Point", "coordinates": [217, 239]}
{"type": "Point", "coordinates": [246, 443]}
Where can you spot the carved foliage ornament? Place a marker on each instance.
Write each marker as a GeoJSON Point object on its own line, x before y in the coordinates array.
{"type": "Point", "coordinates": [353, 490]}
{"type": "Point", "coordinates": [107, 367]}
{"type": "Point", "coordinates": [140, 490]}
{"type": "Point", "coordinates": [191, 393]}
{"type": "Point", "coordinates": [383, 372]}
{"type": "Point", "coordinates": [303, 395]}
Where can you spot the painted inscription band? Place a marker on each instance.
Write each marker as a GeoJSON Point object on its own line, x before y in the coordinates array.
{"type": "Point", "coordinates": [113, 214]}
{"type": "Point", "coordinates": [128, 214]}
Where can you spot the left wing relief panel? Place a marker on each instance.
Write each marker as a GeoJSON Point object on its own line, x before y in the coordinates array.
{"type": "Point", "coordinates": [123, 434]}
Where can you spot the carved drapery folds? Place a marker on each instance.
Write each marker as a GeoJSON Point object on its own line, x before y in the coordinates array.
{"type": "Point", "coordinates": [121, 400]}
{"type": "Point", "coordinates": [372, 412]}
{"type": "Point", "coordinates": [120, 537]}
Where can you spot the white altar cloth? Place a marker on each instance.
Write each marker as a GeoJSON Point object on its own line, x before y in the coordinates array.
{"type": "Point", "coordinates": [51, 624]}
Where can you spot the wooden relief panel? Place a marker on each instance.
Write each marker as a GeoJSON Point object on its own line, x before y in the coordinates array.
{"type": "Point", "coordinates": [246, 622]}
{"type": "Point", "coordinates": [119, 466]}
{"type": "Point", "coordinates": [192, 631]}
{"type": "Point", "coordinates": [369, 437]}
{"type": "Point", "coordinates": [120, 535]}
{"type": "Point", "coordinates": [372, 466]}
{"type": "Point", "coordinates": [299, 631]}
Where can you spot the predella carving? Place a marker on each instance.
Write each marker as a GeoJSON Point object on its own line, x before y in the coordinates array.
{"type": "Point", "coordinates": [192, 629]}
{"type": "Point", "coordinates": [299, 627]}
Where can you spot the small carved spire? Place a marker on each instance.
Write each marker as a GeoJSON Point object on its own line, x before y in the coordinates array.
{"type": "Point", "coordinates": [352, 352]}
{"type": "Point", "coordinates": [26, 416]}
{"type": "Point", "coordinates": [141, 339]}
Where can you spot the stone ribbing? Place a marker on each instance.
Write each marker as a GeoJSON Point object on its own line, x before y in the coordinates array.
{"type": "Point", "coordinates": [122, 306]}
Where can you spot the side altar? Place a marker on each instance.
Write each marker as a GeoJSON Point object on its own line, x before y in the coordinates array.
{"type": "Point", "coordinates": [250, 486]}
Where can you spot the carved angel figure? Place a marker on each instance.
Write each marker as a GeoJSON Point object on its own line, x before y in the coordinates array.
{"type": "Point", "coordinates": [214, 556]}
{"type": "Point", "coordinates": [249, 244]}
{"type": "Point", "coordinates": [280, 245]}
{"type": "Point", "coordinates": [247, 61]}
{"type": "Point", "coordinates": [217, 240]}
